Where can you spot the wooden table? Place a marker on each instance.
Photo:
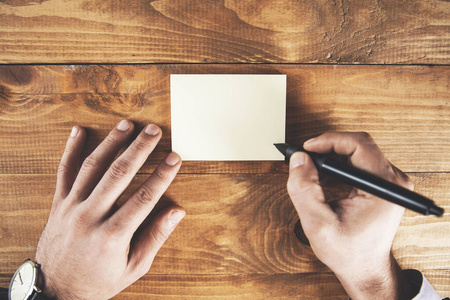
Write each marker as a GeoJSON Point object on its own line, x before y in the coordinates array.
{"type": "Point", "coordinates": [375, 66]}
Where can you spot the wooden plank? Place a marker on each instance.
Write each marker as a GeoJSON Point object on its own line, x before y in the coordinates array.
{"type": "Point", "coordinates": [285, 286]}
{"type": "Point", "coordinates": [232, 31]}
{"type": "Point", "coordinates": [236, 225]}
{"type": "Point", "coordinates": [254, 286]}
{"type": "Point", "coordinates": [405, 108]}
{"type": "Point", "coordinates": [243, 286]}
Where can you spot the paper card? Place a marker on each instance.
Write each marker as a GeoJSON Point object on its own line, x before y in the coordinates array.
{"type": "Point", "coordinates": [228, 117]}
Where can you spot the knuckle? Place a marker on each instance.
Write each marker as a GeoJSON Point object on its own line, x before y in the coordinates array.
{"type": "Point", "coordinates": [391, 176]}
{"type": "Point", "coordinates": [62, 168]}
{"type": "Point", "coordinates": [120, 169]}
{"type": "Point", "coordinates": [81, 220]}
{"type": "Point", "coordinates": [112, 139]}
{"type": "Point", "coordinates": [363, 136]}
{"type": "Point", "coordinates": [159, 235]}
{"type": "Point", "coordinates": [112, 228]}
{"type": "Point", "coordinates": [90, 162]}
{"type": "Point", "coordinates": [141, 143]}
{"type": "Point", "coordinates": [144, 195]}
{"type": "Point", "coordinates": [109, 241]}
{"type": "Point", "coordinates": [400, 178]}
{"type": "Point", "coordinates": [161, 176]}
{"type": "Point", "coordinates": [366, 141]}
{"type": "Point", "coordinates": [62, 208]}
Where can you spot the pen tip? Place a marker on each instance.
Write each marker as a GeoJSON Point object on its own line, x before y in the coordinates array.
{"type": "Point", "coordinates": [282, 147]}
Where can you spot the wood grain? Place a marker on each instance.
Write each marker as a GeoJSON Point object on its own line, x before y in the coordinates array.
{"type": "Point", "coordinates": [237, 238]}
{"type": "Point", "coordinates": [242, 286]}
{"type": "Point", "coordinates": [228, 31]}
{"type": "Point", "coordinates": [255, 286]}
{"type": "Point", "coordinates": [405, 108]}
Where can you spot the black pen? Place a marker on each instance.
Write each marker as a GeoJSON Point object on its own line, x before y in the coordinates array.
{"type": "Point", "coordinates": [367, 182]}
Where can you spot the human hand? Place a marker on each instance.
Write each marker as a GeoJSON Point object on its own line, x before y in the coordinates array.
{"type": "Point", "coordinates": [89, 250]}
{"type": "Point", "coordinates": [352, 236]}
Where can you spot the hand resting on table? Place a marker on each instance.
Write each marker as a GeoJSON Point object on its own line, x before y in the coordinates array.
{"type": "Point", "coordinates": [87, 249]}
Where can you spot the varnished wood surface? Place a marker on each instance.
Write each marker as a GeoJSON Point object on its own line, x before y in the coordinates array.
{"type": "Point", "coordinates": [237, 239]}
{"type": "Point", "coordinates": [199, 31]}
{"type": "Point", "coordinates": [405, 108]}
{"type": "Point", "coordinates": [390, 78]}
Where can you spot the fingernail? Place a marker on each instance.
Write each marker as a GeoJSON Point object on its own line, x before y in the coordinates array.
{"type": "Point", "coordinates": [74, 131]}
{"type": "Point", "coordinates": [310, 141]}
{"type": "Point", "coordinates": [172, 159]}
{"type": "Point", "coordinates": [176, 216]}
{"type": "Point", "coordinates": [124, 125]}
{"type": "Point", "coordinates": [297, 159]}
{"type": "Point", "coordinates": [152, 129]}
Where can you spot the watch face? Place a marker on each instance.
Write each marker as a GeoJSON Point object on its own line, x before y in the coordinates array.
{"type": "Point", "coordinates": [22, 284]}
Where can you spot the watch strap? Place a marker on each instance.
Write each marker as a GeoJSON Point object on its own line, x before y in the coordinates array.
{"type": "Point", "coordinates": [38, 296]}
{"type": "Point", "coordinates": [4, 293]}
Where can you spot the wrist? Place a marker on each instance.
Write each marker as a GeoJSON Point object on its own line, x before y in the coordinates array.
{"type": "Point", "coordinates": [46, 286]}
{"type": "Point", "coordinates": [385, 281]}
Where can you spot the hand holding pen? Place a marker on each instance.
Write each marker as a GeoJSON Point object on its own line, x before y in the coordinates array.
{"type": "Point", "coordinates": [352, 236]}
{"type": "Point", "coordinates": [366, 181]}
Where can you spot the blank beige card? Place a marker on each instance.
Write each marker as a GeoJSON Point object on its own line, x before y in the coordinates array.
{"type": "Point", "coordinates": [228, 117]}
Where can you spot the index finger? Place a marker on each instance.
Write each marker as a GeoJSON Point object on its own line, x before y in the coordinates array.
{"type": "Point", "coordinates": [359, 146]}
{"type": "Point", "coordinates": [136, 209]}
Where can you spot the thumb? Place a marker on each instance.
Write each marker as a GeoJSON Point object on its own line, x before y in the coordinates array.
{"type": "Point", "coordinates": [150, 239]}
{"type": "Point", "coordinates": [306, 193]}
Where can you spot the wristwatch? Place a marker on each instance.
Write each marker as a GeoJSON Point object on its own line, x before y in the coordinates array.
{"type": "Point", "coordinates": [23, 283]}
